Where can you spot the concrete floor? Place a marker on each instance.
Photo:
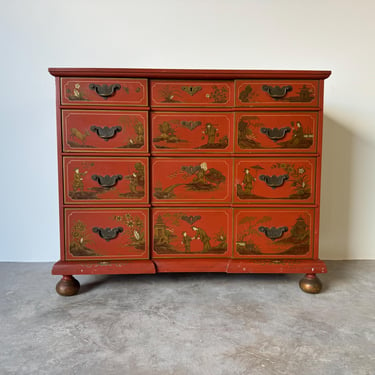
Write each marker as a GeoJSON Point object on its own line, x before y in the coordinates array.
{"type": "Point", "coordinates": [188, 324]}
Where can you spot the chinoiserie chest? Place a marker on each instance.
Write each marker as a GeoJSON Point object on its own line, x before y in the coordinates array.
{"type": "Point", "coordinates": [189, 171]}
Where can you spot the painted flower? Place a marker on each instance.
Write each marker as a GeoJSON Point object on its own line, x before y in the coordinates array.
{"type": "Point", "coordinates": [171, 97]}
{"type": "Point", "coordinates": [301, 171]}
{"type": "Point", "coordinates": [79, 226]}
{"type": "Point", "coordinates": [208, 96]}
{"type": "Point", "coordinates": [77, 86]}
{"type": "Point", "coordinates": [136, 235]}
{"type": "Point", "coordinates": [303, 184]}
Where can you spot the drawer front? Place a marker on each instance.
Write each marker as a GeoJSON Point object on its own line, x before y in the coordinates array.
{"type": "Point", "coordinates": [275, 180]}
{"type": "Point", "coordinates": [104, 131]}
{"type": "Point", "coordinates": [192, 93]}
{"type": "Point", "coordinates": [105, 180]}
{"type": "Point", "coordinates": [276, 131]}
{"type": "Point", "coordinates": [191, 180]}
{"type": "Point", "coordinates": [191, 233]}
{"type": "Point", "coordinates": [104, 91]}
{"type": "Point", "coordinates": [106, 234]}
{"type": "Point", "coordinates": [279, 233]}
{"type": "Point", "coordinates": [191, 131]}
{"type": "Point", "coordinates": [277, 93]}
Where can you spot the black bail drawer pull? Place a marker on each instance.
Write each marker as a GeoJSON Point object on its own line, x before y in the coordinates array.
{"type": "Point", "coordinates": [108, 233]}
{"type": "Point", "coordinates": [273, 233]}
{"type": "Point", "coordinates": [106, 132]}
{"type": "Point", "coordinates": [105, 91]}
{"type": "Point", "coordinates": [275, 134]}
{"type": "Point", "coordinates": [274, 181]}
{"type": "Point", "coordinates": [107, 181]}
{"type": "Point", "coordinates": [276, 92]}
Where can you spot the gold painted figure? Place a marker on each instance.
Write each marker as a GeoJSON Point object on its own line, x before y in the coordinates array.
{"type": "Point", "coordinates": [210, 131]}
{"type": "Point", "coordinates": [78, 180]}
{"type": "Point", "coordinates": [248, 181]}
{"type": "Point", "coordinates": [200, 234]}
{"type": "Point", "coordinates": [200, 175]}
{"type": "Point", "coordinates": [186, 240]}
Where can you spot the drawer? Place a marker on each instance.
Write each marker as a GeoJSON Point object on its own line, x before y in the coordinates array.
{"type": "Point", "coordinates": [280, 233]}
{"type": "Point", "coordinates": [277, 93]}
{"type": "Point", "coordinates": [276, 131]}
{"type": "Point", "coordinates": [206, 132]}
{"type": "Point", "coordinates": [166, 93]}
{"type": "Point", "coordinates": [191, 233]}
{"type": "Point", "coordinates": [275, 180]}
{"type": "Point", "coordinates": [105, 180]}
{"type": "Point", "coordinates": [104, 131]}
{"type": "Point", "coordinates": [106, 234]}
{"type": "Point", "coordinates": [191, 180]}
{"type": "Point", "coordinates": [104, 91]}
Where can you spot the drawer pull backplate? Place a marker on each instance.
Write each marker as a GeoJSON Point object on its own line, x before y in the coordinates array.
{"type": "Point", "coordinates": [106, 132]}
{"type": "Point", "coordinates": [105, 91]}
{"type": "Point", "coordinates": [107, 181]}
{"type": "Point", "coordinates": [273, 233]}
{"type": "Point", "coordinates": [277, 92]}
{"type": "Point", "coordinates": [275, 134]}
{"type": "Point", "coordinates": [274, 181]}
{"type": "Point", "coordinates": [108, 233]}
{"type": "Point", "coordinates": [191, 90]}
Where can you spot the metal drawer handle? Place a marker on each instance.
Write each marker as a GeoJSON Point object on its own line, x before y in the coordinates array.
{"type": "Point", "coordinates": [277, 92]}
{"type": "Point", "coordinates": [276, 133]}
{"type": "Point", "coordinates": [107, 181]}
{"type": "Point", "coordinates": [191, 90]}
{"type": "Point", "coordinates": [105, 91]}
{"type": "Point", "coordinates": [274, 181]}
{"type": "Point", "coordinates": [105, 133]}
{"type": "Point", "coordinates": [108, 233]}
{"type": "Point", "coordinates": [273, 233]}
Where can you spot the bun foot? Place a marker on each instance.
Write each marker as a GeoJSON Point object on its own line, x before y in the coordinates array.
{"type": "Point", "coordinates": [310, 283]}
{"type": "Point", "coordinates": [67, 286]}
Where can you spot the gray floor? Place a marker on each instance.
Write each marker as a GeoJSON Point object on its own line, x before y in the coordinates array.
{"type": "Point", "coordinates": [187, 324]}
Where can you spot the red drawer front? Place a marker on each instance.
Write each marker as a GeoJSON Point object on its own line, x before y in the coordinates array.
{"type": "Point", "coordinates": [104, 131]}
{"type": "Point", "coordinates": [277, 93]}
{"type": "Point", "coordinates": [102, 91]}
{"type": "Point", "coordinates": [276, 131]}
{"type": "Point", "coordinates": [191, 180]}
{"type": "Point", "coordinates": [106, 234]}
{"type": "Point", "coordinates": [278, 233]}
{"type": "Point", "coordinates": [191, 233]}
{"type": "Point", "coordinates": [105, 180]}
{"type": "Point", "coordinates": [275, 180]}
{"type": "Point", "coordinates": [187, 131]}
{"type": "Point", "coordinates": [192, 93]}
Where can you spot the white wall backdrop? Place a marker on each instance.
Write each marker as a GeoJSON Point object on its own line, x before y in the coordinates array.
{"type": "Point", "coordinates": [336, 35]}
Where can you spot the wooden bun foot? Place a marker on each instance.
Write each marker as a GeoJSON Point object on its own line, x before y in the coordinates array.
{"type": "Point", "coordinates": [310, 283]}
{"type": "Point", "coordinates": [67, 286]}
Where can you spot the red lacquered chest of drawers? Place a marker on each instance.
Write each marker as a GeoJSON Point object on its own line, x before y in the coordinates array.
{"type": "Point", "coordinates": [167, 170]}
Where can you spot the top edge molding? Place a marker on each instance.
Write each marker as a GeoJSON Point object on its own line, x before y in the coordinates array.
{"type": "Point", "coordinates": [190, 73]}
